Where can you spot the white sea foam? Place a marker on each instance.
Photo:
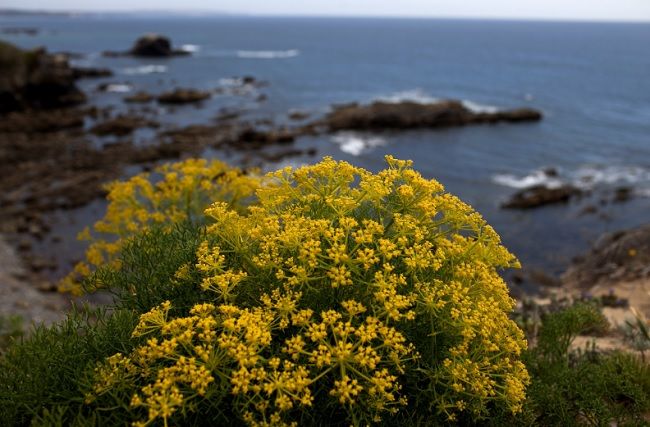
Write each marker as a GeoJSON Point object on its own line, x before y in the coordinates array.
{"type": "Point", "coordinates": [230, 81]}
{"type": "Point", "coordinates": [642, 192]}
{"type": "Point", "coordinates": [591, 175]}
{"type": "Point", "coordinates": [146, 69]}
{"type": "Point", "coordinates": [538, 177]}
{"type": "Point", "coordinates": [268, 54]}
{"type": "Point", "coordinates": [356, 144]}
{"type": "Point", "coordinates": [415, 95]}
{"type": "Point", "coordinates": [420, 96]}
{"type": "Point", "coordinates": [586, 177]}
{"type": "Point", "coordinates": [475, 107]}
{"type": "Point", "coordinates": [118, 88]}
{"type": "Point", "coordinates": [192, 48]}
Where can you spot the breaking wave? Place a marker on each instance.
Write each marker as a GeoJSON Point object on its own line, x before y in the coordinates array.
{"type": "Point", "coordinates": [146, 69]}
{"type": "Point", "coordinates": [355, 144]}
{"type": "Point", "coordinates": [268, 54]}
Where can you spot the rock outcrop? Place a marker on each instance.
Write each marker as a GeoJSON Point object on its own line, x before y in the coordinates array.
{"type": "Point", "coordinates": [541, 195]}
{"type": "Point", "coordinates": [183, 96]}
{"type": "Point", "coordinates": [618, 256]}
{"type": "Point", "coordinates": [150, 46]}
{"type": "Point", "coordinates": [35, 80]}
{"type": "Point", "coordinates": [122, 125]}
{"type": "Point", "coordinates": [90, 72]}
{"type": "Point", "coordinates": [139, 98]}
{"type": "Point", "coordinates": [410, 115]}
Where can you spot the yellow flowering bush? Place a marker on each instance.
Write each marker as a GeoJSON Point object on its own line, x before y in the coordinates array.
{"type": "Point", "coordinates": [181, 192]}
{"type": "Point", "coordinates": [340, 297]}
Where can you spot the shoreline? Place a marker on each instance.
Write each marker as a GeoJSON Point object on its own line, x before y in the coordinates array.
{"type": "Point", "coordinates": [59, 158]}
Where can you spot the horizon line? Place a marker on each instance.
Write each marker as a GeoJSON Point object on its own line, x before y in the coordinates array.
{"type": "Point", "coordinates": [213, 12]}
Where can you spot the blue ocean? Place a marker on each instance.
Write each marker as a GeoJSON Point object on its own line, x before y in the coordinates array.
{"type": "Point", "coordinates": [590, 80]}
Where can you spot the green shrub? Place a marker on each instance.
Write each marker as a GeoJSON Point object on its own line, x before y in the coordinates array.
{"type": "Point", "coordinates": [341, 296]}
{"type": "Point", "coordinates": [11, 328]}
{"type": "Point", "coordinates": [584, 386]}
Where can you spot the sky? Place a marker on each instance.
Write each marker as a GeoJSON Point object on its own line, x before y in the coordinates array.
{"type": "Point", "coordinates": [608, 10]}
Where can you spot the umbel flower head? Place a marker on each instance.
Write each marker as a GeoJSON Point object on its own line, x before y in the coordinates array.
{"type": "Point", "coordinates": [340, 293]}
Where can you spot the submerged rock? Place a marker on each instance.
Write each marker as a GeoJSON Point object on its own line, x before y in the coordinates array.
{"type": "Point", "coordinates": [409, 115]}
{"type": "Point", "coordinates": [139, 98]}
{"type": "Point", "coordinates": [623, 194]}
{"type": "Point", "coordinates": [540, 195]}
{"type": "Point", "coordinates": [252, 136]}
{"type": "Point", "coordinates": [183, 96]}
{"type": "Point", "coordinates": [89, 72]}
{"type": "Point", "coordinates": [35, 80]}
{"type": "Point", "coordinates": [122, 125]}
{"type": "Point", "coordinates": [298, 115]}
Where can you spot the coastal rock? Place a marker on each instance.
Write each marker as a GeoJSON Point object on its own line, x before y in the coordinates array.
{"type": "Point", "coordinates": [149, 46]}
{"type": "Point", "coordinates": [152, 45]}
{"type": "Point", "coordinates": [89, 72]}
{"type": "Point", "coordinates": [122, 125]}
{"type": "Point", "coordinates": [35, 80]}
{"type": "Point", "coordinates": [298, 115]}
{"type": "Point", "coordinates": [251, 136]}
{"type": "Point", "coordinates": [183, 96]}
{"type": "Point", "coordinates": [409, 115]}
{"type": "Point", "coordinates": [623, 194]}
{"type": "Point", "coordinates": [139, 98]}
{"type": "Point", "coordinates": [540, 195]}
{"type": "Point", "coordinates": [39, 121]}
{"type": "Point", "coordinates": [615, 257]}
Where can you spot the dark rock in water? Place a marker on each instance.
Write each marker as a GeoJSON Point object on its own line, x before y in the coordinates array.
{"type": "Point", "coordinates": [248, 80]}
{"type": "Point", "coordinates": [251, 136]}
{"type": "Point", "coordinates": [122, 125]}
{"type": "Point", "coordinates": [512, 116]}
{"type": "Point", "coordinates": [154, 45]}
{"type": "Point", "coordinates": [88, 72]}
{"type": "Point", "coordinates": [298, 115]}
{"type": "Point", "coordinates": [551, 172]}
{"type": "Point", "coordinates": [623, 194]}
{"type": "Point", "coordinates": [35, 80]}
{"type": "Point", "coordinates": [139, 98]}
{"type": "Point", "coordinates": [622, 255]}
{"type": "Point", "coordinates": [410, 115]}
{"type": "Point", "coordinates": [540, 195]}
{"type": "Point", "coordinates": [183, 96]}
{"type": "Point", "coordinates": [149, 46]}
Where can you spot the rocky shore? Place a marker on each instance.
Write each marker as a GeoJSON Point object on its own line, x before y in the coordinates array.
{"type": "Point", "coordinates": [58, 149]}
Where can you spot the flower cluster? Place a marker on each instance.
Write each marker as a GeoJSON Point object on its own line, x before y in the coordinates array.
{"type": "Point", "coordinates": [175, 192]}
{"type": "Point", "coordinates": [340, 292]}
